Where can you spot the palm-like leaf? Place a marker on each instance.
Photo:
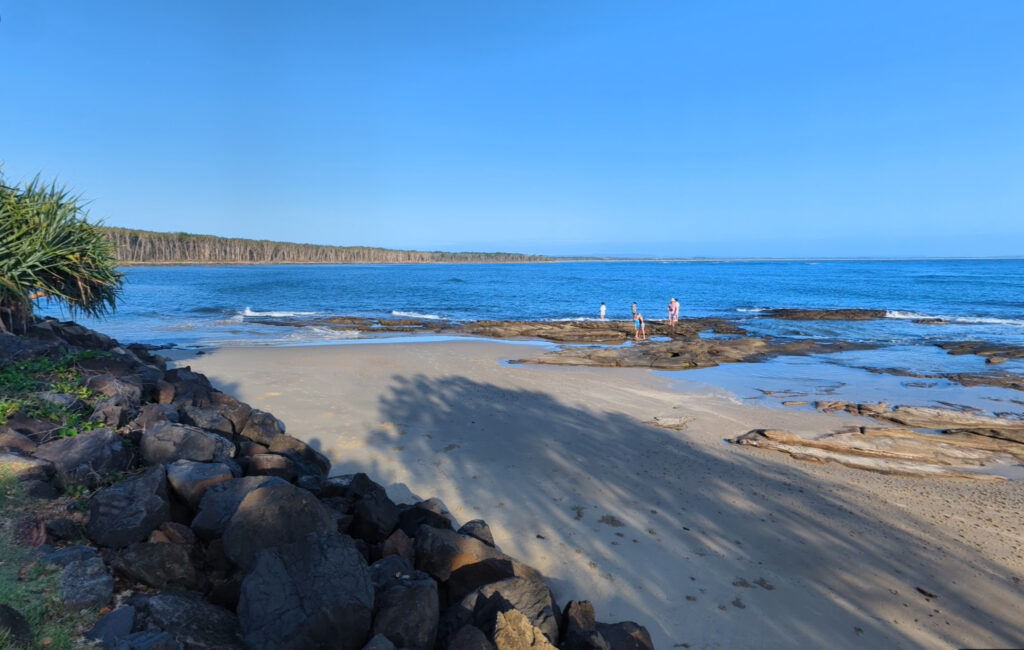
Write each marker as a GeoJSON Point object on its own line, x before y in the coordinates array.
{"type": "Point", "coordinates": [48, 249]}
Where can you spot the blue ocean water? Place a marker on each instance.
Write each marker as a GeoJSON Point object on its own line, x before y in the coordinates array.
{"type": "Point", "coordinates": [200, 305]}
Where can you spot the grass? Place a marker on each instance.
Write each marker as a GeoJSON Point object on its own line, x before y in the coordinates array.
{"type": "Point", "coordinates": [28, 587]}
{"type": "Point", "coordinates": [19, 383]}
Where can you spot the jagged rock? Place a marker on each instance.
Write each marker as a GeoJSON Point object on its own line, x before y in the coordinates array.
{"type": "Point", "coordinates": [390, 571]}
{"type": "Point", "coordinates": [85, 459]}
{"type": "Point", "coordinates": [171, 532]}
{"type": "Point", "coordinates": [64, 528]}
{"type": "Point", "coordinates": [113, 627]}
{"type": "Point", "coordinates": [478, 528]}
{"type": "Point", "coordinates": [625, 636]}
{"type": "Point", "coordinates": [374, 517]}
{"type": "Point", "coordinates": [206, 419]}
{"type": "Point", "coordinates": [439, 551]}
{"type": "Point", "coordinates": [315, 592]}
{"type": "Point", "coordinates": [580, 628]}
{"type": "Point", "coordinates": [513, 631]}
{"type": "Point", "coordinates": [220, 501]}
{"type": "Point", "coordinates": [164, 393]}
{"type": "Point", "coordinates": [26, 468]}
{"type": "Point", "coordinates": [166, 442]}
{"type": "Point", "coordinates": [190, 479]}
{"type": "Point", "coordinates": [12, 441]}
{"type": "Point", "coordinates": [271, 465]}
{"type": "Point", "coordinates": [470, 638]}
{"type": "Point", "coordinates": [236, 412]}
{"type": "Point", "coordinates": [262, 427]}
{"type": "Point", "coordinates": [407, 612]}
{"type": "Point", "coordinates": [128, 512]}
{"type": "Point", "coordinates": [480, 608]}
{"type": "Point", "coordinates": [423, 513]}
{"type": "Point", "coordinates": [250, 448]}
{"type": "Point", "coordinates": [271, 516]}
{"type": "Point", "coordinates": [152, 413]}
{"type": "Point", "coordinates": [114, 412]}
{"type": "Point", "coordinates": [379, 642]}
{"type": "Point", "coordinates": [398, 543]}
{"type": "Point", "coordinates": [470, 577]}
{"type": "Point", "coordinates": [191, 621]}
{"type": "Point", "coordinates": [149, 640]}
{"type": "Point", "coordinates": [128, 387]}
{"type": "Point", "coordinates": [35, 429]}
{"type": "Point", "coordinates": [190, 388]}
{"type": "Point", "coordinates": [19, 634]}
{"type": "Point", "coordinates": [313, 461]}
{"type": "Point", "coordinates": [65, 556]}
{"type": "Point", "coordinates": [157, 565]}
{"type": "Point", "coordinates": [86, 584]}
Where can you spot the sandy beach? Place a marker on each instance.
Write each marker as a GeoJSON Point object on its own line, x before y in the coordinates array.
{"type": "Point", "coordinates": [708, 545]}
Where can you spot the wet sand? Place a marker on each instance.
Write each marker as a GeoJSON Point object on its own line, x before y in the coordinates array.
{"type": "Point", "coordinates": [706, 544]}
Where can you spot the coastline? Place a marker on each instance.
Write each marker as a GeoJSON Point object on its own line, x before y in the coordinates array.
{"type": "Point", "coordinates": [575, 457]}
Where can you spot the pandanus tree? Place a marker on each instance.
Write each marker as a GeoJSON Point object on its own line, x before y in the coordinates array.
{"type": "Point", "coordinates": [49, 251]}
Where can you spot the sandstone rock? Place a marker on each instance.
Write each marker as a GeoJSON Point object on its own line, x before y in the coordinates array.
{"type": "Point", "coordinates": [272, 516]}
{"type": "Point", "coordinates": [165, 442]}
{"type": "Point", "coordinates": [128, 387]}
{"type": "Point", "coordinates": [26, 468]}
{"type": "Point", "coordinates": [84, 459]}
{"type": "Point", "coordinates": [157, 565]}
{"type": "Point", "coordinates": [220, 501]}
{"type": "Point", "coordinates": [208, 419]}
{"type": "Point", "coordinates": [190, 479]}
{"type": "Point", "coordinates": [113, 627]}
{"type": "Point", "coordinates": [128, 512]}
{"type": "Point", "coordinates": [114, 412]}
{"type": "Point", "coordinates": [191, 621]}
{"type": "Point", "coordinates": [479, 529]}
{"type": "Point", "coordinates": [480, 608]}
{"type": "Point", "coordinates": [262, 427]}
{"type": "Point", "coordinates": [12, 441]}
{"type": "Point", "coordinates": [315, 592]}
{"type": "Point", "coordinates": [174, 533]}
{"type": "Point", "coordinates": [439, 552]}
{"type": "Point", "coordinates": [86, 584]}
{"type": "Point", "coordinates": [513, 631]}
{"type": "Point", "coordinates": [14, 625]}
{"type": "Point", "coordinates": [398, 544]}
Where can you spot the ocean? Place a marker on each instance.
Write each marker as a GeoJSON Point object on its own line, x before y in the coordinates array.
{"type": "Point", "coordinates": [982, 300]}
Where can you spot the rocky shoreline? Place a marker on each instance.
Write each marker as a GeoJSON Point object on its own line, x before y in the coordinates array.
{"type": "Point", "coordinates": [208, 526]}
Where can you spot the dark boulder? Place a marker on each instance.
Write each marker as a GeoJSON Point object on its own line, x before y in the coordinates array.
{"type": "Point", "coordinates": [374, 517]}
{"type": "Point", "coordinates": [439, 551]}
{"type": "Point", "coordinates": [64, 528]}
{"type": "Point", "coordinates": [86, 584]}
{"type": "Point", "coordinates": [412, 517]}
{"type": "Point", "coordinates": [236, 412]}
{"type": "Point", "coordinates": [315, 592]}
{"type": "Point", "coordinates": [407, 611]}
{"type": "Point", "coordinates": [262, 427]}
{"type": "Point", "coordinates": [166, 442]}
{"type": "Point", "coordinates": [157, 565]}
{"type": "Point", "coordinates": [314, 462]}
{"type": "Point", "coordinates": [128, 387]}
{"type": "Point", "coordinates": [171, 532]}
{"type": "Point", "coordinates": [65, 556]}
{"type": "Point", "coordinates": [127, 512]}
{"type": "Point", "coordinates": [579, 628]}
{"type": "Point", "coordinates": [149, 640]}
{"type": "Point", "coordinates": [470, 638]}
{"type": "Point", "coordinates": [191, 621]}
{"type": "Point", "coordinates": [398, 543]}
{"type": "Point", "coordinates": [113, 627]}
{"type": "Point", "coordinates": [114, 412]}
{"type": "Point", "coordinates": [190, 479]}
{"type": "Point", "coordinates": [64, 401]}
{"type": "Point", "coordinates": [271, 465]}
{"type": "Point", "coordinates": [220, 501]}
{"type": "Point", "coordinates": [207, 419]}
{"type": "Point", "coordinates": [12, 441]}
{"type": "Point", "coordinates": [85, 459]}
{"type": "Point", "coordinates": [470, 577]}
{"type": "Point", "coordinates": [530, 596]}
{"type": "Point", "coordinates": [272, 516]}
{"type": "Point", "coordinates": [190, 388]}
{"type": "Point", "coordinates": [379, 642]}
{"type": "Point", "coordinates": [14, 625]}
{"type": "Point", "coordinates": [152, 413]}
{"type": "Point", "coordinates": [625, 636]}
{"type": "Point", "coordinates": [479, 529]}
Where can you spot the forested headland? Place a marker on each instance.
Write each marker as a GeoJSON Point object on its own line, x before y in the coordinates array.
{"type": "Point", "coordinates": [145, 247]}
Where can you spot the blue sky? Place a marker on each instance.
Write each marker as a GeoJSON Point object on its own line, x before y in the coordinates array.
{"type": "Point", "coordinates": [818, 128]}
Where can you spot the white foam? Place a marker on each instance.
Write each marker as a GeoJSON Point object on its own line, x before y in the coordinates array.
{"type": "Point", "coordinates": [276, 314]}
{"type": "Point", "coordinates": [751, 310]}
{"type": "Point", "coordinates": [960, 320]}
{"type": "Point", "coordinates": [413, 314]}
{"type": "Point", "coordinates": [911, 315]}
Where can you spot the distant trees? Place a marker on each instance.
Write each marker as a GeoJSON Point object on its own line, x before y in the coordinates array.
{"type": "Point", "coordinates": [49, 250]}
{"type": "Point", "coordinates": [144, 247]}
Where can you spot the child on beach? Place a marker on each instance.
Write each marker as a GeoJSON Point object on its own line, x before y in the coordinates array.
{"type": "Point", "coordinates": [603, 308]}
{"type": "Point", "coordinates": [640, 333]}
{"type": "Point", "coordinates": [673, 313]}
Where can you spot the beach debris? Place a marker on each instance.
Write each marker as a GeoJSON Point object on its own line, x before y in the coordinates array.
{"type": "Point", "coordinates": [612, 521]}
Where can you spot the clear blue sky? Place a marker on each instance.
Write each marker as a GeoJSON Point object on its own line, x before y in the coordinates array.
{"type": "Point", "coordinates": [819, 128]}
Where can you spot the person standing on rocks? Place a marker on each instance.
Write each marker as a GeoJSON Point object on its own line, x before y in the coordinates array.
{"type": "Point", "coordinates": [603, 309]}
{"type": "Point", "coordinates": [640, 333]}
{"type": "Point", "coordinates": [634, 311]}
{"type": "Point", "coordinates": [673, 313]}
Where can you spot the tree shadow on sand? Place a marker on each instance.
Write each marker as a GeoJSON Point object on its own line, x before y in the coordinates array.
{"type": "Point", "coordinates": [690, 541]}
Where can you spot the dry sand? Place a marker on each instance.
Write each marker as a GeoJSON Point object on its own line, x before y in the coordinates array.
{"type": "Point", "coordinates": [706, 544]}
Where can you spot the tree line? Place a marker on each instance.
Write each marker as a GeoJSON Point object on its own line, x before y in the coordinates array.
{"type": "Point", "coordinates": [145, 247]}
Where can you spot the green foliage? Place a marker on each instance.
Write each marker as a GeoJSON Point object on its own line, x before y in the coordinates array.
{"type": "Point", "coordinates": [48, 250]}
{"type": "Point", "coordinates": [20, 381]}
